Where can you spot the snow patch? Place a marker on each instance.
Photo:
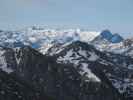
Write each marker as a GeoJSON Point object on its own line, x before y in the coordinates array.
{"type": "Point", "coordinates": [87, 72]}
{"type": "Point", "coordinates": [32, 39]}
{"type": "Point", "coordinates": [18, 59]}
{"type": "Point", "coordinates": [93, 57]}
{"type": "Point", "coordinates": [88, 36]}
{"type": "Point", "coordinates": [67, 57]}
{"type": "Point", "coordinates": [83, 53]}
{"type": "Point", "coordinates": [3, 63]}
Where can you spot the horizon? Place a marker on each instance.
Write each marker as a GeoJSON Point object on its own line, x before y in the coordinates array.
{"type": "Point", "coordinates": [93, 15]}
{"type": "Point", "coordinates": [62, 28]}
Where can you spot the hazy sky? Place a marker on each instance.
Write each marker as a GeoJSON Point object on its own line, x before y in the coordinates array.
{"type": "Point", "coordinates": [116, 15]}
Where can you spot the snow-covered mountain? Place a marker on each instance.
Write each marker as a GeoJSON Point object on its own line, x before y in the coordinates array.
{"type": "Point", "coordinates": [117, 68]}
{"type": "Point", "coordinates": [54, 34]}
{"type": "Point", "coordinates": [42, 74]}
{"type": "Point", "coordinates": [107, 40]}
{"type": "Point", "coordinates": [113, 38]}
{"type": "Point", "coordinates": [124, 47]}
{"type": "Point", "coordinates": [42, 39]}
{"type": "Point", "coordinates": [70, 64]}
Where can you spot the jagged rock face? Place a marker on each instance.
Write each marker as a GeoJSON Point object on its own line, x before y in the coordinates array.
{"type": "Point", "coordinates": [128, 42]}
{"type": "Point", "coordinates": [81, 50]}
{"type": "Point", "coordinates": [124, 48]}
{"type": "Point", "coordinates": [59, 81]}
{"type": "Point", "coordinates": [128, 46]}
{"type": "Point", "coordinates": [116, 68]}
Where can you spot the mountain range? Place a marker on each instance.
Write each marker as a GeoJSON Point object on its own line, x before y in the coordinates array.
{"type": "Point", "coordinates": [45, 64]}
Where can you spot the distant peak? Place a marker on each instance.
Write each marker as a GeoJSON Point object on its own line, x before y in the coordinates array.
{"type": "Point", "coordinates": [106, 34]}
{"type": "Point", "coordinates": [113, 38]}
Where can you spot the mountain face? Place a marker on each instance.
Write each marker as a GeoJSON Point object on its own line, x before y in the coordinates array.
{"type": "Point", "coordinates": [116, 68]}
{"type": "Point", "coordinates": [61, 81]}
